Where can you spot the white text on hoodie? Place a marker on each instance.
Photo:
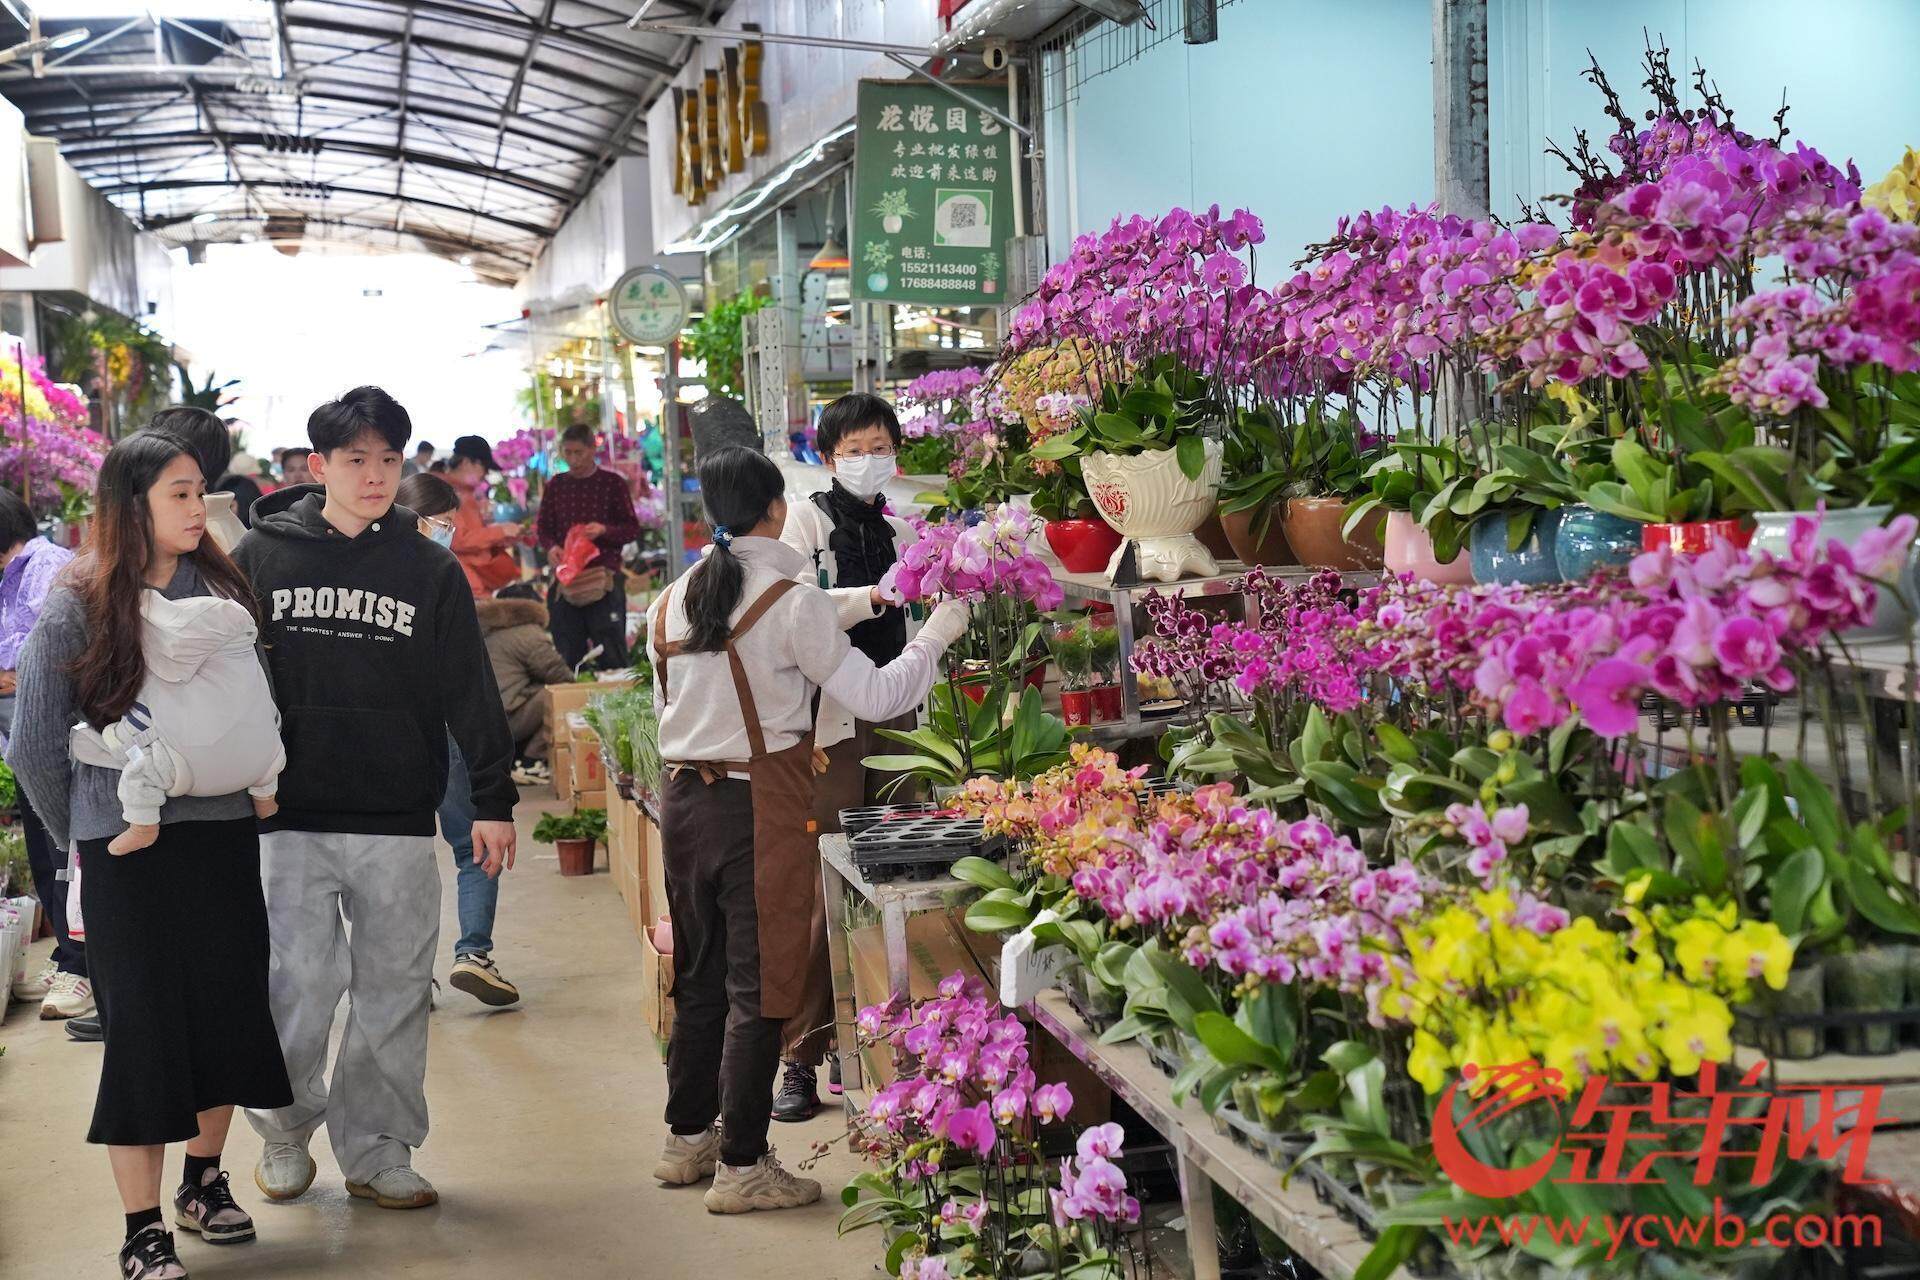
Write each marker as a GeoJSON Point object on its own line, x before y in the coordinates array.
{"type": "Point", "coordinates": [344, 603]}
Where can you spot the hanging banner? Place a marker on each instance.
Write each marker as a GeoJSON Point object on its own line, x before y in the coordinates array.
{"type": "Point", "coordinates": [933, 195]}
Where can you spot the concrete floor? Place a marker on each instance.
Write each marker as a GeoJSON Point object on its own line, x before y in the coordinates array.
{"type": "Point", "coordinates": [546, 1122]}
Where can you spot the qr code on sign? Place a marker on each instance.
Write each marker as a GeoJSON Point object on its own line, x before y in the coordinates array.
{"type": "Point", "coordinates": [963, 219]}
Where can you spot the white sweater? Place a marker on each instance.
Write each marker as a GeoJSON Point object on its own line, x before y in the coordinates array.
{"type": "Point", "coordinates": [797, 647]}
{"type": "Point", "coordinates": [807, 531]}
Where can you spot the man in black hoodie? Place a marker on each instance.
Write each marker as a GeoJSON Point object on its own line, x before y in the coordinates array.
{"type": "Point", "coordinates": [376, 657]}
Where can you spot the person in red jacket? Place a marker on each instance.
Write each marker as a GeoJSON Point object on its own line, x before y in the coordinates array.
{"type": "Point", "coordinates": [592, 609]}
{"type": "Point", "coordinates": [485, 551]}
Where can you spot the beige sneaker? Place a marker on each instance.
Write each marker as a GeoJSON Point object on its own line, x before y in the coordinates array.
{"type": "Point", "coordinates": [70, 996]}
{"type": "Point", "coordinates": [396, 1188]}
{"type": "Point", "coordinates": [685, 1161]}
{"type": "Point", "coordinates": [763, 1185]}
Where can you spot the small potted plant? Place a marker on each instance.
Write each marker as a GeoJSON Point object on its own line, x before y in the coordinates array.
{"type": "Point", "coordinates": [1072, 648]}
{"type": "Point", "coordinates": [893, 209]}
{"type": "Point", "coordinates": [573, 836]}
{"type": "Point", "coordinates": [1104, 642]}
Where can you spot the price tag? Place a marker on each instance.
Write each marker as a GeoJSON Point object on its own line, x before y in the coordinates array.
{"type": "Point", "coordinates": [1026, 968]}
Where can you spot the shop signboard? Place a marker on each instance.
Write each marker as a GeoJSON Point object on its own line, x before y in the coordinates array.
{"type": "Point", "coordinates": [933, 195]}
{"type": "Point", "coordinates": [648, 306]}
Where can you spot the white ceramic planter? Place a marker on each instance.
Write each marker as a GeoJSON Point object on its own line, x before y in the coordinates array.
{"type": "Point", "coordinates": [1152, 504]}
{"type": "Point", "coordinates": [1893, 617]}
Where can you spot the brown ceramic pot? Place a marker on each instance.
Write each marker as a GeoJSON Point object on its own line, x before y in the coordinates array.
{"type": "Point", "coordinates": [1214, 538]}
{"type": "Point", "coordinates": [1271, 549]}
{"type": "Point", "coordinates": [1313, 531]}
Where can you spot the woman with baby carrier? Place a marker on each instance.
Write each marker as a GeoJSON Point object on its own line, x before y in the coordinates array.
{"type": "Point", "coordinates": [112, 737]}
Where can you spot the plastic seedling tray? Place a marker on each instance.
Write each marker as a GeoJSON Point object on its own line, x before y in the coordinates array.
{"type": "Point", "coordinates": [854, 821]}
{"type": "Point", "coordinates": [922, 847]}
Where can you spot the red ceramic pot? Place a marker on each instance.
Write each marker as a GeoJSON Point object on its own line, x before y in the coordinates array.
{"type": "Point", "coordinates": [1107, 705]}
{"type": "Point", "coordinates": [1076, 707]}
{"type": "Point", "coordinates": [975, 686]}
{"type": "Point", "coordinates": [1694, 537]}
{"type": "Point", "coordinates": [1083, 546]}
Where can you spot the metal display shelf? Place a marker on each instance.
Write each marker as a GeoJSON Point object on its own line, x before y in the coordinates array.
{"type": "Point", "coordinates": [1208, 1159]}
{"type": "Point", "coordinates": [896, 901]}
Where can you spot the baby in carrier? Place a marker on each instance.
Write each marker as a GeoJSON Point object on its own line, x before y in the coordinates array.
{"type": "Point", "coordinates": [205, 723]}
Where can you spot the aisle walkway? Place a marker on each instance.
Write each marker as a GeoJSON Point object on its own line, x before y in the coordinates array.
{"type": "Point", "coordinates": [545, 1127]}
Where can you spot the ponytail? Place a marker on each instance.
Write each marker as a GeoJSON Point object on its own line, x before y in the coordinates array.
{"type": "Point", "coordinates": [739, 486]}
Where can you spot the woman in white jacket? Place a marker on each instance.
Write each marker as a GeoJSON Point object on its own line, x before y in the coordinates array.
{"type": "Point", "coordinates": [849, 541]}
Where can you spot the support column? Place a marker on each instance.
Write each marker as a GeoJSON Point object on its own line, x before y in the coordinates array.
{"type": "Point", "coordinates": [1461, 150]}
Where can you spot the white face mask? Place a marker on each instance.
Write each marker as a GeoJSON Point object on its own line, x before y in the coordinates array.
{"type": "Point", "coordinates": [864, 477]}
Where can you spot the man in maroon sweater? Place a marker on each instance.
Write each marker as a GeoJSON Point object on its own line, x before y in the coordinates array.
{"type": "Point", "coordinates": [587, 495]}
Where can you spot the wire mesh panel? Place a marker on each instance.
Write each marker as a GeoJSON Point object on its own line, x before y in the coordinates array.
{"type": "Point", "coordinates": [1098, 45]}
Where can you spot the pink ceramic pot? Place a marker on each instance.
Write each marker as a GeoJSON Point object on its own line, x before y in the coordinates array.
{"type": "Point", "coordinates": [1410, 550]}
{"type": "Point", "coordinates": [663, 936]}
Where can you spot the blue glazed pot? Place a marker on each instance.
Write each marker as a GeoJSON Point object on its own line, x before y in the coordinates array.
{"type": "Point", "coordinates": [1533, 564]}
{"type": "Point", "coordinates": [1589, 540]}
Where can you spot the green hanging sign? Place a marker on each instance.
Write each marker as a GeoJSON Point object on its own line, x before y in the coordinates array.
{"type": "Point", "coordinates": [933, 195]}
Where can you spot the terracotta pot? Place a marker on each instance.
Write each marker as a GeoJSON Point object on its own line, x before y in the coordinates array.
{"type": "Point", "coordinates": [1313, 531]}
{"type": "Point", "coordinates": [576, 857]}
{"type": "Point", "coordinates": [1693, 537]}
{"type": "Point", "coordinates": [1269, 550]}
{"type": "Point", "coordinates": [1152, 503]}
{"type": "Point", "coordinates": [1410, 550]}
{"type": "Point", "coordinates": [1082, 546]}
{"type": "Point", "coordinates": [1076, 707]}
{"type": "Point", "coordinates": [1107, 704]}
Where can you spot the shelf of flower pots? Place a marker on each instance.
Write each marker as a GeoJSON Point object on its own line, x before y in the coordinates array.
{"type": "Point", "coordinates": [1207, 1158]}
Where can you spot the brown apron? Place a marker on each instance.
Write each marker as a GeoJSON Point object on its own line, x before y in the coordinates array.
{"type": "Point", "coordinates": [786, 851]}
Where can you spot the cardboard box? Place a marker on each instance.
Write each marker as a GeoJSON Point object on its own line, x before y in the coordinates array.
{"type": "Point", "coordinates": [933, 952]}
{"type": "Point", "coordinates": [653, 875]}
{"type": "Point", "coordinates": [566, 700]}
{"type": "Point", "coordinates": [656, 992]}
{"type": "Point", "coordinates": [589, 772]}
{"type": "Point", "coordinates": [561, 758]}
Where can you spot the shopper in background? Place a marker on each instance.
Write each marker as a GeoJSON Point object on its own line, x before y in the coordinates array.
{"type": "Point", "coordinates": [176, 933]}
{"type": "Point", "coordinates": [849, 541]}
{"type": "Point", "coordinates": [293, 467]}
{"type": "Point", "coordinates": [432, 499]}
{"type": "Point", "coordinates": [592, 609]}
{"type": "Point", "coordinates": [740, 646]}
{"type": "Point", "coordinates": [243, 482]}
{"type": "Point", "coordinates": [422, 459]}
{"type": "Point", "coordinates": [31, 563]}
{"type": "Point", "coordinates": [485, 550]}
{"type": "Point", "coordinates": [376, 659]}
{"type": "Point", "coordinates": [211, 444]}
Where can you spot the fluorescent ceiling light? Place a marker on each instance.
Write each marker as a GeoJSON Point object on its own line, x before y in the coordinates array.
{"type": "Point", "coordinates": [182, 10]}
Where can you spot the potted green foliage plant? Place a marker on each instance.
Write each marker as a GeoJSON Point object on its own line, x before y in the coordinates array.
{"type": "Point", "coordinates": [573, 836]}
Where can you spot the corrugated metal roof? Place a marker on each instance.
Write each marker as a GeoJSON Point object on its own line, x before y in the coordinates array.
{"type": "Point", "coordinates": [469, 128]}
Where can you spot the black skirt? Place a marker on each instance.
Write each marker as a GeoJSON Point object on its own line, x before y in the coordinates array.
{"type": "Point", "coordinates": [177, 949]}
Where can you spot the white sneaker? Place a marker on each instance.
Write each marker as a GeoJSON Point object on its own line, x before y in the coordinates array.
{"type": "Point", "coordinates": [762, 1185]}
{"type": "Point", "coordinates": [685, 1161]}
{"type": "Point", "coordinates": [285, 1171]}
{"type": "Point", "coordinates": [396, 1188]}
{"type": "Point", "coordinates": [69, 996]}
{"type": "Point", "coordinates": [29, 989]}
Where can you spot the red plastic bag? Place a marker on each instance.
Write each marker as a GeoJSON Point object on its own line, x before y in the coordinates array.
{"type": "Point", "coordinates": [576, 555]}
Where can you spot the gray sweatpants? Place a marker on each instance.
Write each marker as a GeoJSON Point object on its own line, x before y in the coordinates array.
{"type": "Point", "coordinates": [387, 888]}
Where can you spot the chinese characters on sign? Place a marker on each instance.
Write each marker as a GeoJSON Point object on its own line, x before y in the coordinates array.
{"type": "Point", "coordinates": [933, 195]}
{"type": "Point", "coordinates": [648, 306]}
{"type": "Point", "coordinates": [1623, 1132]}
{"type": "Point", "coordinates": [719, 122]}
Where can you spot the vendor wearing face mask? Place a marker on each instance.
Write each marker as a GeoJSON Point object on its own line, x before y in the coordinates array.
{"type": "Point", "coordinates": [849, 541]}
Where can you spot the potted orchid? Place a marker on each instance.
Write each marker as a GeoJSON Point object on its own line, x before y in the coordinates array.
{"type": "Point", "coordinates": [963, 1187]}
{"type": "Point", "coordinates": [936, 420]}
{"type": "Point", "coordinates": [1163, 310]}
